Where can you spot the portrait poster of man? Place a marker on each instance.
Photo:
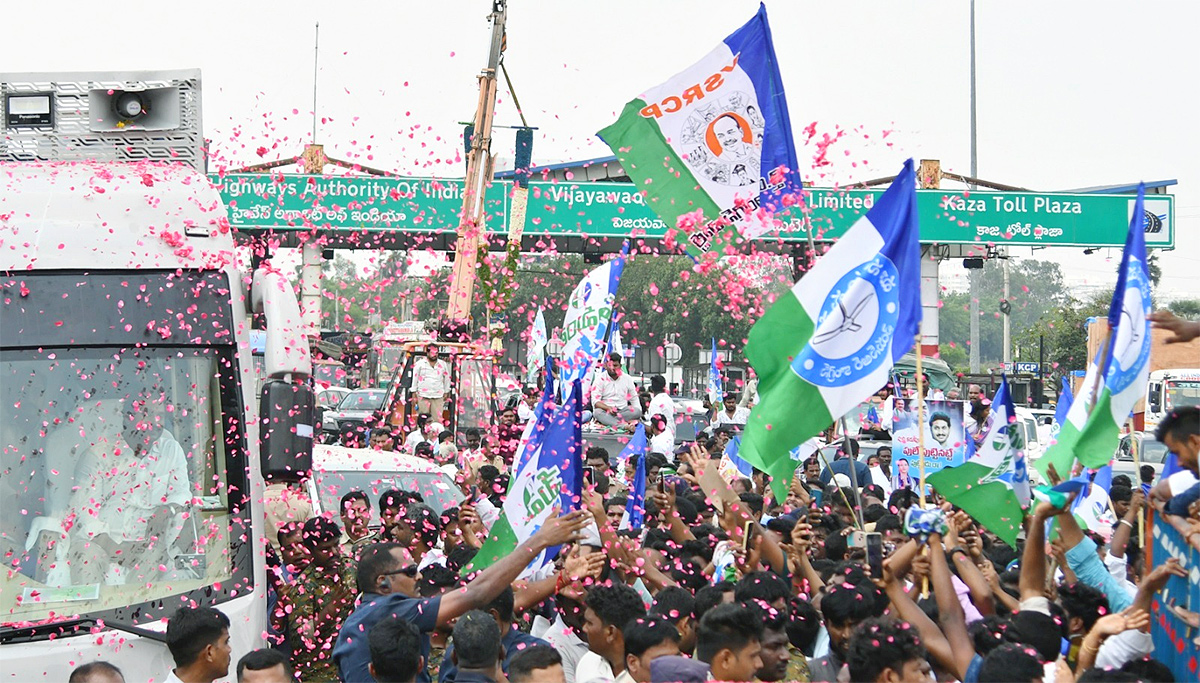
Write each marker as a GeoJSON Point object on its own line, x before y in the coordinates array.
{"type": "Point", "coordinates": [945, 439]}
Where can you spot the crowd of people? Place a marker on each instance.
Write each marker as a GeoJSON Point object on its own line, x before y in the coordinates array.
{"type": "Point", "coordinates": [721, 583]}
{"type": "Point", "coordinates": [839, 581]}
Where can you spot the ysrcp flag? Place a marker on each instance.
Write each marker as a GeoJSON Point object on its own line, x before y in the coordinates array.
{"type": "Point", "coordinates": [1091, 433]}
{"type": "Point", "coordinates": [615, 344]}
{"type": "Point", "coordinates": [993, 486]}
{"type": "Point", "coordinates": [589, 314]}
{"type": "Point", "coordinates": [716, 138]}
{"type": "Point", "coordinates": [535, 355]}
{"type": "Point", "coordinates": [715, 386]}
{"type": "Point", "coordinates": [1065, 399]}
{"type": "Point", "coordinates": [546, 481]}
{"type": "Point", "coordinates": [1094, 509]}
{"type": "Point", "coordinates": [831, 342]}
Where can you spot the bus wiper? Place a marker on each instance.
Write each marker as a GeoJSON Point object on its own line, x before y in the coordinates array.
{"type": "Point", "coordinates": [71, 627]}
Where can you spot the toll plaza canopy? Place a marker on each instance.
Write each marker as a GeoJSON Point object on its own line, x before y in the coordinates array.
{"type": "Point", "coordinates": [587, 210]}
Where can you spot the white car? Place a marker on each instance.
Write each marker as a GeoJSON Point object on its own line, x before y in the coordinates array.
{"type": "Point", "coordinates": [338, 470]}
{"type": "Point", "coordinates": [1150, 452]}
{"type": "Point", "coordinates": [1045, 422]}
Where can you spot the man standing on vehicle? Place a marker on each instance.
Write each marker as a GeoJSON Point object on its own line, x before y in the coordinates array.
{"type": "Point", "coordinates": [431, 380]}
{"type": "Point", "coordinates": [663, 404]}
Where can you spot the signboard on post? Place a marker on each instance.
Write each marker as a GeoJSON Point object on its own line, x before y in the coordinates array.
{"type": "Point", "coordinates": [1025, 368]}
{"type": "Point", "coordinates": [295, 202]}
{"type": "Point", "coordinates": [618, 210]}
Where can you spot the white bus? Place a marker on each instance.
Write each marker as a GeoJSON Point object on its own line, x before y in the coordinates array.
{"type": "Point", "coordinates": [1169, 389]}
{"type": "Point", "coordinates": [119, 287]}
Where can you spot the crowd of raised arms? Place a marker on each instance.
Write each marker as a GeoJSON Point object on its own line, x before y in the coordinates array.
{"type": "Point", "coordinates": [721, 582]}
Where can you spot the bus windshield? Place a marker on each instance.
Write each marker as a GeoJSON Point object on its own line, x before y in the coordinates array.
{"type": "Point", "coordinates": [123, 470]}
{"type": "Point", "coordinates": [1182, 393]}
{"type": "Point", "coordinates": [115, 488]}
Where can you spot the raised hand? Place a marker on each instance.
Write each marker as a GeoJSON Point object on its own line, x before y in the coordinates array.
{"type": "Point", "coordinates": [578, 567]}
{"type": "Point", "coordinates": [1157, 579]}
{"type": "Point", "coordinates": [1181, 330]}
{"type": "Point", "coordinates": [802, 537]}
{"type": "Point", "coordinates": [1138, 501]}
{"type": "Point", "coordinates": [562, 529]}
{"type": "Point", "coordinates": [696, 458]}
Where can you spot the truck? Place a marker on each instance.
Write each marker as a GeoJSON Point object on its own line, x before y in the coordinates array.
{"type": "Point", "coordinates": [1169, 389]}
{"type": "Point", "coordinates": [126, 317]}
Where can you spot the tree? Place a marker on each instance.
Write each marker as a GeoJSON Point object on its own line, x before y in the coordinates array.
{"type": "Point", "coordinates": [1064, 333]}
{"type": "Point", "coordinates": [955, 356]}
{"type": "Point", "coordinates": [1035, 288]}
{"type": "Point", "coordinates": [1185, 308]}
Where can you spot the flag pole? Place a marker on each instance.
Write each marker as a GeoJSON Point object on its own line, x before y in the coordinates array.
{"type": "Point", "coordinates": [921, 439]}
{"type": "Point", "coordinates": [821, 455]}
{"type": "Point", "coordinates": [920, 420]}
{"type": "Point", "coordinates": [1102, 367]}
{"type": "Point", "coordinates": [857, 509]}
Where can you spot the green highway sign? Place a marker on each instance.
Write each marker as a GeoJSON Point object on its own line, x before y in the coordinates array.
{"type": "Point", "coordinates": [606, 209]}
{"type": "Point", "coordinates": [293, 202]}
{"type": "Point", "coordinates": [947, 217]}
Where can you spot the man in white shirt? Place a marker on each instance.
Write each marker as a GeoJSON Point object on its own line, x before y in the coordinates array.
{"type": "Point", "coordinates": [563, 638]}
{"type": "Point", "coordinates": [431, 381]}
{"type": "Point", "coordinates": [426, 431]}
{"type": "Point", "coordinates": [614, 395]}
{"type": "Point", "coordinates": [526, 405]}
{"type": "Point", "coordinates": [660, 440]}
{"type": "Point", "coordinates": [730, 413]}
{"type": "Point", "coordinates": [609, 608]}
{"type": "Point", "coordinates": [130, 497]}
{"type": "Point", "coordinates": [662, 404]}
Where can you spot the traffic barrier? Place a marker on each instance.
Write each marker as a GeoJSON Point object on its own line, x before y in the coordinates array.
{"type": "Point", "coordinates": [1174, 639]}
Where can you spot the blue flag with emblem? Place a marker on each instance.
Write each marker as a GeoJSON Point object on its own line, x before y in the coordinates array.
{"type": "Point", "coordinates": [1065, 399]}
{"type": "Point", "coordinates": [547, 480]}
{"type": "Point", "coordinates": [1118, 380]}
{"type": "Point", "coordinates": [732, 461]}
{"type": "Point", "coordinates": [716, 390]}
{"type": "Point", "coordinates": [635, 501]}
{"type": "Point", "coordinates": [993, 485]}
{"type": "Point", "coordinates": [832, 341]}
{"type": "Point", "coordinates": [585, 329]}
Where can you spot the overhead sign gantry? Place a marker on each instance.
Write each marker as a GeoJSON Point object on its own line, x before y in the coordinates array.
{"type": "Point", "coordinates": [615, 210]}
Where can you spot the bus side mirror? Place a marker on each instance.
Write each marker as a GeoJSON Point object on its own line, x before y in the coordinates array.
{"type": "Point", "coordinates": [286, 417]}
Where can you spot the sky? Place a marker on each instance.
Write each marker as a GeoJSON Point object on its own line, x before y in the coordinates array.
{"type": "Point", "coordinates": [1070, 94]}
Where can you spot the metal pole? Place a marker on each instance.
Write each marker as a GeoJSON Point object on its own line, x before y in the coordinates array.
{"type": "Point", "coordinates": [920, 398]}
{"type": "Point", "coordinates": [1007, 316]}
{"type": "Point", "coordinates": [1041, 392]}
{"type": "Point", "coordinates": [974, 155]}
{"type": "Point", "coordinates": [316, 53]}
{"type": "Point", "coordinates": [974, 274]}
{"type": "Point", "coordinates": [857, 509]}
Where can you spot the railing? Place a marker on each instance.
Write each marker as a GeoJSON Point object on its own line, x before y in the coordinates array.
{"type": "Point", "coordinates": [1174, 639]}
